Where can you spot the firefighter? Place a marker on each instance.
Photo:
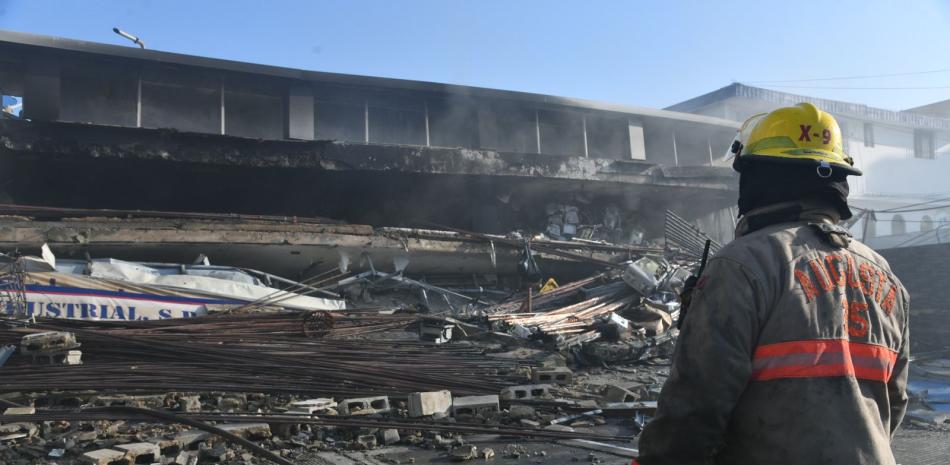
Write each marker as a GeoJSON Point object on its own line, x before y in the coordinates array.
{"type": "Point", "coordinates": [795, 350]}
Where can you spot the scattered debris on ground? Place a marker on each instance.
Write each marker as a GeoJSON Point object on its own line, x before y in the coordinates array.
{"type": "Point", "coordinates": [368, 366]}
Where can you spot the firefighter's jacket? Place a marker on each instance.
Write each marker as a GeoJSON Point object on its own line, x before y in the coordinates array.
{"type": "Point", "coordinates": [795, 351]}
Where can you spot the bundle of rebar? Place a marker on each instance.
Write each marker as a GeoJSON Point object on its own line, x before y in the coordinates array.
{"type": "Point", "coordinates": [269, 353]}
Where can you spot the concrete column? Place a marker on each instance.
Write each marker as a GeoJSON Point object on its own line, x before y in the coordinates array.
{"type": "Point", "coordinates": [138, 102]}
{"type": "Point", "coordinates": [428, 138]}
{"type": "Point", "coordinates": [638, 149]}
{"type": "Point", "coordinates": [537, 128]}
{"type": "Point", "coordinates": [221, 91]}
{"type": "Point", "coordinates": [366, 121]}
{"type": "Point", "coordinates": [584, 130]}
{"type": "Point", "coordinates": [676, 158]}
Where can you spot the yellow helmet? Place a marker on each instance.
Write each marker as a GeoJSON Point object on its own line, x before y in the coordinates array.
{"type": "Point", "coordinates": [798, 134]}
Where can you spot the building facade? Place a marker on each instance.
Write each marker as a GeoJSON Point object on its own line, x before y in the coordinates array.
{"type": "Point", "coordinates": [105, 126]}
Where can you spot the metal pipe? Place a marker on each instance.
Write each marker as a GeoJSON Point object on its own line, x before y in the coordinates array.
{"type": "Point", "coordinates": [131, 37]}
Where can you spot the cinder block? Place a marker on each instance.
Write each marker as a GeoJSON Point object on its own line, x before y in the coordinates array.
{"type": "Point", "coordinates": [429, 403]}
{"type": "Point", "coordinates": [365, 406]}
{"type": "Point", "coordinates": [141, 452]}
{"type": "Point", "coordinates": [104, 457]}
{"type": "Point", "coordinates": [558, 375]}
{"type": "Point", "coordinates": [526, 392]}
{"type": "Point", "coordinates": [389, 436]}
{"type": "Point", "coordinates": [615, 393]}
{"type": "Point", "coordinates": [367, 441]}
{"type": "Point", "coordinates": [475, 405]}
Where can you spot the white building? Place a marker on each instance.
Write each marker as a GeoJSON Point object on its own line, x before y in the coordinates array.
{"type": "Point", "coordinates": [904, 196]}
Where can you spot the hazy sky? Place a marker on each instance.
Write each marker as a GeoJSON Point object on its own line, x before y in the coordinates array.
{"type": "Point", "coordinates": [635, 52]}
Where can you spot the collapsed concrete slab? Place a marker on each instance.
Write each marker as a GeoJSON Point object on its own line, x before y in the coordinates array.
{"type": "Point", "coordinates": [285, 248]}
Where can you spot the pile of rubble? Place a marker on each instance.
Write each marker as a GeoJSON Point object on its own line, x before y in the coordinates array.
{"type": "Point", "coordinates": [381, 364]}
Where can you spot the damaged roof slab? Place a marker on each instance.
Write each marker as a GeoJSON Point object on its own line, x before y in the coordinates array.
{"type": "Point", "coordinates": [72, 141]}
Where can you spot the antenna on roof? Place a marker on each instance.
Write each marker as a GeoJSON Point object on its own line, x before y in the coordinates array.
{"type": "Point", "coordinates": [131, 37]}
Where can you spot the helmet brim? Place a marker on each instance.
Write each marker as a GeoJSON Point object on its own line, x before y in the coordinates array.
{"type": "Point", "coordinates": [812, 157]}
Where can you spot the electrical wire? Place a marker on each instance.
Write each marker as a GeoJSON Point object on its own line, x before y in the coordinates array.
{"type": "Point", "coordinates": [913, 210]}
{"type": "Point", "coordinates": [846, 78]}
{"type": "Point", "coordinates": [895, 209]}
{"type": "Point", "coordinates": [860, 88]}
{"type": "Point", "coordinates": [907, 208]}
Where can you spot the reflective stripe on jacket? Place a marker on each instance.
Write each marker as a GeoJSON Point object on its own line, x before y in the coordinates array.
{"type": "Point", "coordinates": [795, 352]}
